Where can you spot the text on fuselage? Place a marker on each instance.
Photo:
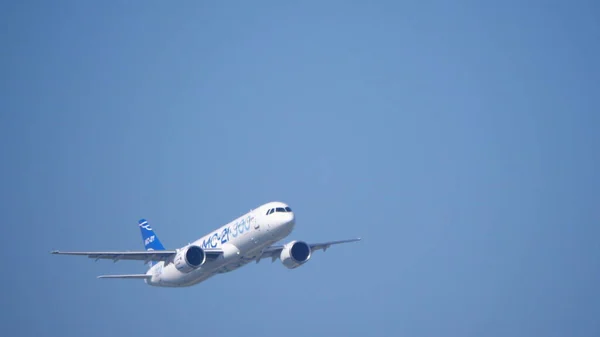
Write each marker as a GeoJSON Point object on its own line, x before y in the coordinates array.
{"type": "Point", "coordinates": [225, 234]}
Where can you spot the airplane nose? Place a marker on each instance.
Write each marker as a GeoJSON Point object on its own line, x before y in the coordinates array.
{"type": "Point", "coordinates": [287, 219]}
{"type": "Point", "coordinates": [291, 218]}
{"type": "Point", "coordinates": [289, 222]}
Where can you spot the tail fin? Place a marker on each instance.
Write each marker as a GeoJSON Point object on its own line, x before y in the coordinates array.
{"type": "Point", "coordinates": [151, 241]}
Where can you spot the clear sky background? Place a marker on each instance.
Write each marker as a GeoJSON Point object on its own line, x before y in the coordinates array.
{"type": "Point", "coordinates": [459, 139]}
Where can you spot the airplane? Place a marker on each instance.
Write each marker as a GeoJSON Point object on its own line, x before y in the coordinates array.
{"type": "Point", "coordinates": [250, 237]}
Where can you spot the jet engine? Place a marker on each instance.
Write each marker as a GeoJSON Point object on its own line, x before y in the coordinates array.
{"type": "Point", "coordinates": [189, 258]}
{"type": "Point", "coordinates": [295, 254]}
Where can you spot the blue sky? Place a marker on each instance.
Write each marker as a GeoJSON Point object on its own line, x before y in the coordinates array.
{"type": "Point", "coordinates": [458, 139]}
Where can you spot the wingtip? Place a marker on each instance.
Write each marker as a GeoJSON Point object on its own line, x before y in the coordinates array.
{"type": "Point", "coordinates": [54, 252]}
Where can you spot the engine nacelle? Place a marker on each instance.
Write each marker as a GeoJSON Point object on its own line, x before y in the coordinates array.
{"type": "Point", "coordinates": [189, 258]}
{"type": "Point", "coordinates": [295, 254]}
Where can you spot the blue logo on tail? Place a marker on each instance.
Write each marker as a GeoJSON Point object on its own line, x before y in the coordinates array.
{"type": "Point", "coordinates": [151, 241]}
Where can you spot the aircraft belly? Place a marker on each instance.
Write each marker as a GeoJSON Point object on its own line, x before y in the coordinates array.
{"type": "Point", "coordinates": [238, 252]}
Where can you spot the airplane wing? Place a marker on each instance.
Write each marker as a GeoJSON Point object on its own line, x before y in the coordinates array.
{"type": "Point", "coordinates": [127, 276]}
{"type": "Point", "coordinates": [275, 251]}
{"type": "Point", "coordinates": [146, 256]}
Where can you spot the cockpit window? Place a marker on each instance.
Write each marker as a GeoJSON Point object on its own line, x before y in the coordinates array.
{"type": "Point", "coordinates": [279, 209]}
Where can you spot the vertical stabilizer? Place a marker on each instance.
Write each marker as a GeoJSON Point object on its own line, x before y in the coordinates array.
{"type": "Point", "coordinates": [151, 241]}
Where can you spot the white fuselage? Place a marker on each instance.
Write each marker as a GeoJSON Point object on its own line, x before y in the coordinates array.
{"type": "Point", "coordinates": [242, 241]}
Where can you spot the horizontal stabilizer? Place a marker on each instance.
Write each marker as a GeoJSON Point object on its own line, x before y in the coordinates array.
{"type": "Point", "coordinates": [133, 276]}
